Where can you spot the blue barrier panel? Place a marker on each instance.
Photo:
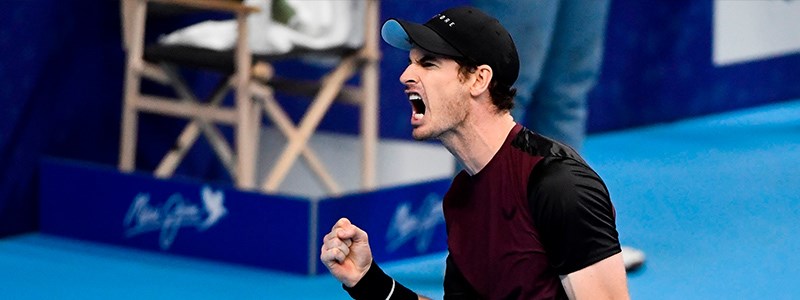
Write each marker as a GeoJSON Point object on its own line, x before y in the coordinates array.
{"type": "Point", "coordinates": [402, 222]}
{"type": "Point", "coordinates": [172, 216]}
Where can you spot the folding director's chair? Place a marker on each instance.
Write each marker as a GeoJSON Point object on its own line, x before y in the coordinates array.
{"type": "Point", "coordinates": [253, 81]}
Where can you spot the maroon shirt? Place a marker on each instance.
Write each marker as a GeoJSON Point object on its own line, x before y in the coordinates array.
{"type": "Point", "coordinates": [534, 212]}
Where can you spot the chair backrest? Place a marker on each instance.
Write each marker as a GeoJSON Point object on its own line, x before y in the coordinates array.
{"type": "Point", "coordinates": [172, 8]}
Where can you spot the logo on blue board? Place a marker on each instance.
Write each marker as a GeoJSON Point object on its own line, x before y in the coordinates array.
{"type": "Point", "coordinates": [176, 212]}
{"type": "Point", "coordinates": [420, 225]}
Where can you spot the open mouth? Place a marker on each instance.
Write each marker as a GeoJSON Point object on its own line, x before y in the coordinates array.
{"type": "Point", "coordinates": [417, 105]}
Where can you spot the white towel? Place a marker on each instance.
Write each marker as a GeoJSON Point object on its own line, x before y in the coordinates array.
{"type": "Point", "coordinates": [317, 24]}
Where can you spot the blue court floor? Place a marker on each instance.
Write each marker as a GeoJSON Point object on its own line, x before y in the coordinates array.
{"type": "Point", "coordinates": [713, 201]}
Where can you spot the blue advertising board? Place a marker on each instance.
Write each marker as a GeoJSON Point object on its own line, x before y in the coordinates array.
{"type": "Point", "coordinates": [196, 219]}
{"type": "Point", "coordinates": [186, 218]}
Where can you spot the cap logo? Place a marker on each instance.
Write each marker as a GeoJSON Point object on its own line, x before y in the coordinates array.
{"type": "Point", "coordinates": [445, 19]}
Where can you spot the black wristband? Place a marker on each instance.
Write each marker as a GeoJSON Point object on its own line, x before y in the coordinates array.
{"type": "Point", "coordinates": [377, 285]}
{"type": "Point", "coordinates": [374, 285]}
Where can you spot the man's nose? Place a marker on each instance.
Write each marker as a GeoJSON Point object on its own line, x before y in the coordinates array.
{"type": "Point", "coordinates": [408, 76]}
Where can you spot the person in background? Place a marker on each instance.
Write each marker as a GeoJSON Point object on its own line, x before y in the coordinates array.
{"type": "Point", "coordinates": [561, 45]}
{"type": "Point", "coordinates": [527, 218]}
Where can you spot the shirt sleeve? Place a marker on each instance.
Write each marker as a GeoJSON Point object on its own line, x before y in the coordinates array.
{"type": "Point", "coordinates": [572, 211]}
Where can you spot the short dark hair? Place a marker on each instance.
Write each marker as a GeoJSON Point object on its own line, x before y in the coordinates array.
{"type": "Point", "coordinates": [502, 95]}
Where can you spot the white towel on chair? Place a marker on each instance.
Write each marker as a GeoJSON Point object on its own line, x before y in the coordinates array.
{"type": "Point", "coordinates": [317, 24]}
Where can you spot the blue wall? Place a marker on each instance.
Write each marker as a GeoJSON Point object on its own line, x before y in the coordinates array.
{"type": "Point", "coordinates": [658, 67]}
{"type": "Point", "coordinates": [61, 71]}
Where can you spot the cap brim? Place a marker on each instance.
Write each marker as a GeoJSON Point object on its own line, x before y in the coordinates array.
{"type": "Point", "coordinates": [404, 35]}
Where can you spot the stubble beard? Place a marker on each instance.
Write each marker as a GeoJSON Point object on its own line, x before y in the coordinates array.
{"type": "Point", "coordinates": [419, 135]}
{"type": "Point", "coordinates": [457, 113]}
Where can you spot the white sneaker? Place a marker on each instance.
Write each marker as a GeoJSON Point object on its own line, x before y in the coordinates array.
{"type": "Point", "coordinates": [632, 258]}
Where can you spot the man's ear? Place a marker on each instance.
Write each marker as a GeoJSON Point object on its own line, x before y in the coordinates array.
{"type": "Point", "coordinates": [483, 76]}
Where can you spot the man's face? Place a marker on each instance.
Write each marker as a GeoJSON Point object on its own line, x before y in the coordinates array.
{"type": "Point", "coordinates": [439, 97]}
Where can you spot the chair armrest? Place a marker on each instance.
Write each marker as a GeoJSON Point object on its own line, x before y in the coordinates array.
{"type": "Point", "coordinates": [231, 6]}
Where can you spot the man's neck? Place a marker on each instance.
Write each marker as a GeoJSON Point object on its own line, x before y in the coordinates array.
{"type": "Point", "coordinates": [476, 141]}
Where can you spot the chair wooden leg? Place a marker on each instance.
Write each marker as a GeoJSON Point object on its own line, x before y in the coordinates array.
{"type": "Point", "coordinates": [285, 125]}
{"type": "Point", "coordinates": [331, 86]}
{"type": "Point", "coordinates": [127, 151]}
{"type": "Point", "coordinates": [246, 129]}
{"type": "Point", "coordinates": [370, 80]}
{"type": "Point", "coordinates": [190, 133]}
{"type": "Point", "coordinates": [369, 125]}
